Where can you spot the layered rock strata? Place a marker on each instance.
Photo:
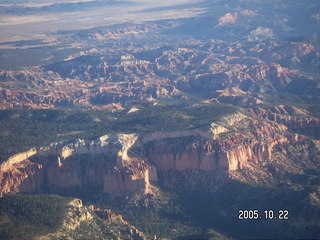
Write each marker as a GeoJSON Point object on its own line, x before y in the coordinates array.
{"type": "Point", "coordinates": [130, 163]}
{"type": "Point", "coordinates": [103, 163]}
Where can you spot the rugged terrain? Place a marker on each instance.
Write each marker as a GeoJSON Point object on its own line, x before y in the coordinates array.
{"type": "Point", "coordinates": [73, 219]}
{"type": "Point", "coordinates": [237, 148]}
{"type": "Point", "coordinates": [163, 128]}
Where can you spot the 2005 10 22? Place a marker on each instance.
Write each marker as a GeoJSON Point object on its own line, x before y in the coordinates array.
{"type": "Point", "coordinates": [266, 214]}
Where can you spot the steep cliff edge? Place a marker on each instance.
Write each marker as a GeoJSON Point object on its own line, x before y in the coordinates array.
{"type": "Point", "coordinates": [234, 141]}
{"type": "Point", "coordinates": [102, 163]}
{"type": "Point", "coordinates": [130, 163]}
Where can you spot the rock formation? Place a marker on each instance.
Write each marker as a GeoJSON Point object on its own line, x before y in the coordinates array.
{"type": "Point", "coordinates": [92, 79]}
{"type": "Point", "coordinates": [103, 163]}
{"type": "Point", "coordinates": [78, 217]}
{"type": "Point", "coordinates": [130, 163]}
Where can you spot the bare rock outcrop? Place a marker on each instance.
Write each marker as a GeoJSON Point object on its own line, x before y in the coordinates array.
{"type": "Point", "coordinates": [232, 18]}
{"type": "Point", "coordinates": [287, 116]}
{"type": "Point", "coordinates": [100, 163]}
{"type": "Point", "coordinates": [130, 163]}
{"type": "Point", "coordinates": [94, 78]}
{"type": "Point", "coordinates": [230, 152]}
{"type": "Point", "coordinates": [103, 224]}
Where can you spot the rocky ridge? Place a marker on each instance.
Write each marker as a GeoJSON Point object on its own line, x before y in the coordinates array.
{"type": "Point", "coordinates": [89, 222]}
{"type": "Point", "coordinates": [58, 166]}
{"type": "Point", "coordinates": [131, 163]}
{"type": "Point", "coordinates": [260, 57]}
{"type": "Point", "coordinates": [99, 79]}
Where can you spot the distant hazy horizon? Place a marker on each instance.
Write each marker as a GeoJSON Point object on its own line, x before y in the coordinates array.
{"type": "Point", "coordinates": [27, 20]}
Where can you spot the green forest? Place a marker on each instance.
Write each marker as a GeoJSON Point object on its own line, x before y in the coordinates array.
{"type": "Point", "coordinates": [26, 128]}
{"type": "Point", "coordinates": [26, 216]}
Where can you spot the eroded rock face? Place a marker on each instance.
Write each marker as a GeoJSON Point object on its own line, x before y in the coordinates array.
{"type": "Point", "coordinates": [232, 18]}
{"type": "Point", "coordinates": [100, 163]}
{"type": "Point", "coordinates": [78, 217]}
{"type": "Point", "coordinates": [23, 176]}
{"type": "Point", "coordinates": [231, 152]}
{"type": "Point", "coordinates": [92, 79]}
{"type": "Point", "coordinates": [282, 115]}
{"type": "Point", "coordinates": [130, 163]}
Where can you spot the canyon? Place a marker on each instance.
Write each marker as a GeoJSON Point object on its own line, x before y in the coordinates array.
{"type": "Point", "coordinates": [96, 80]}
{"type": "Point", "coordinates": [160, 120]}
